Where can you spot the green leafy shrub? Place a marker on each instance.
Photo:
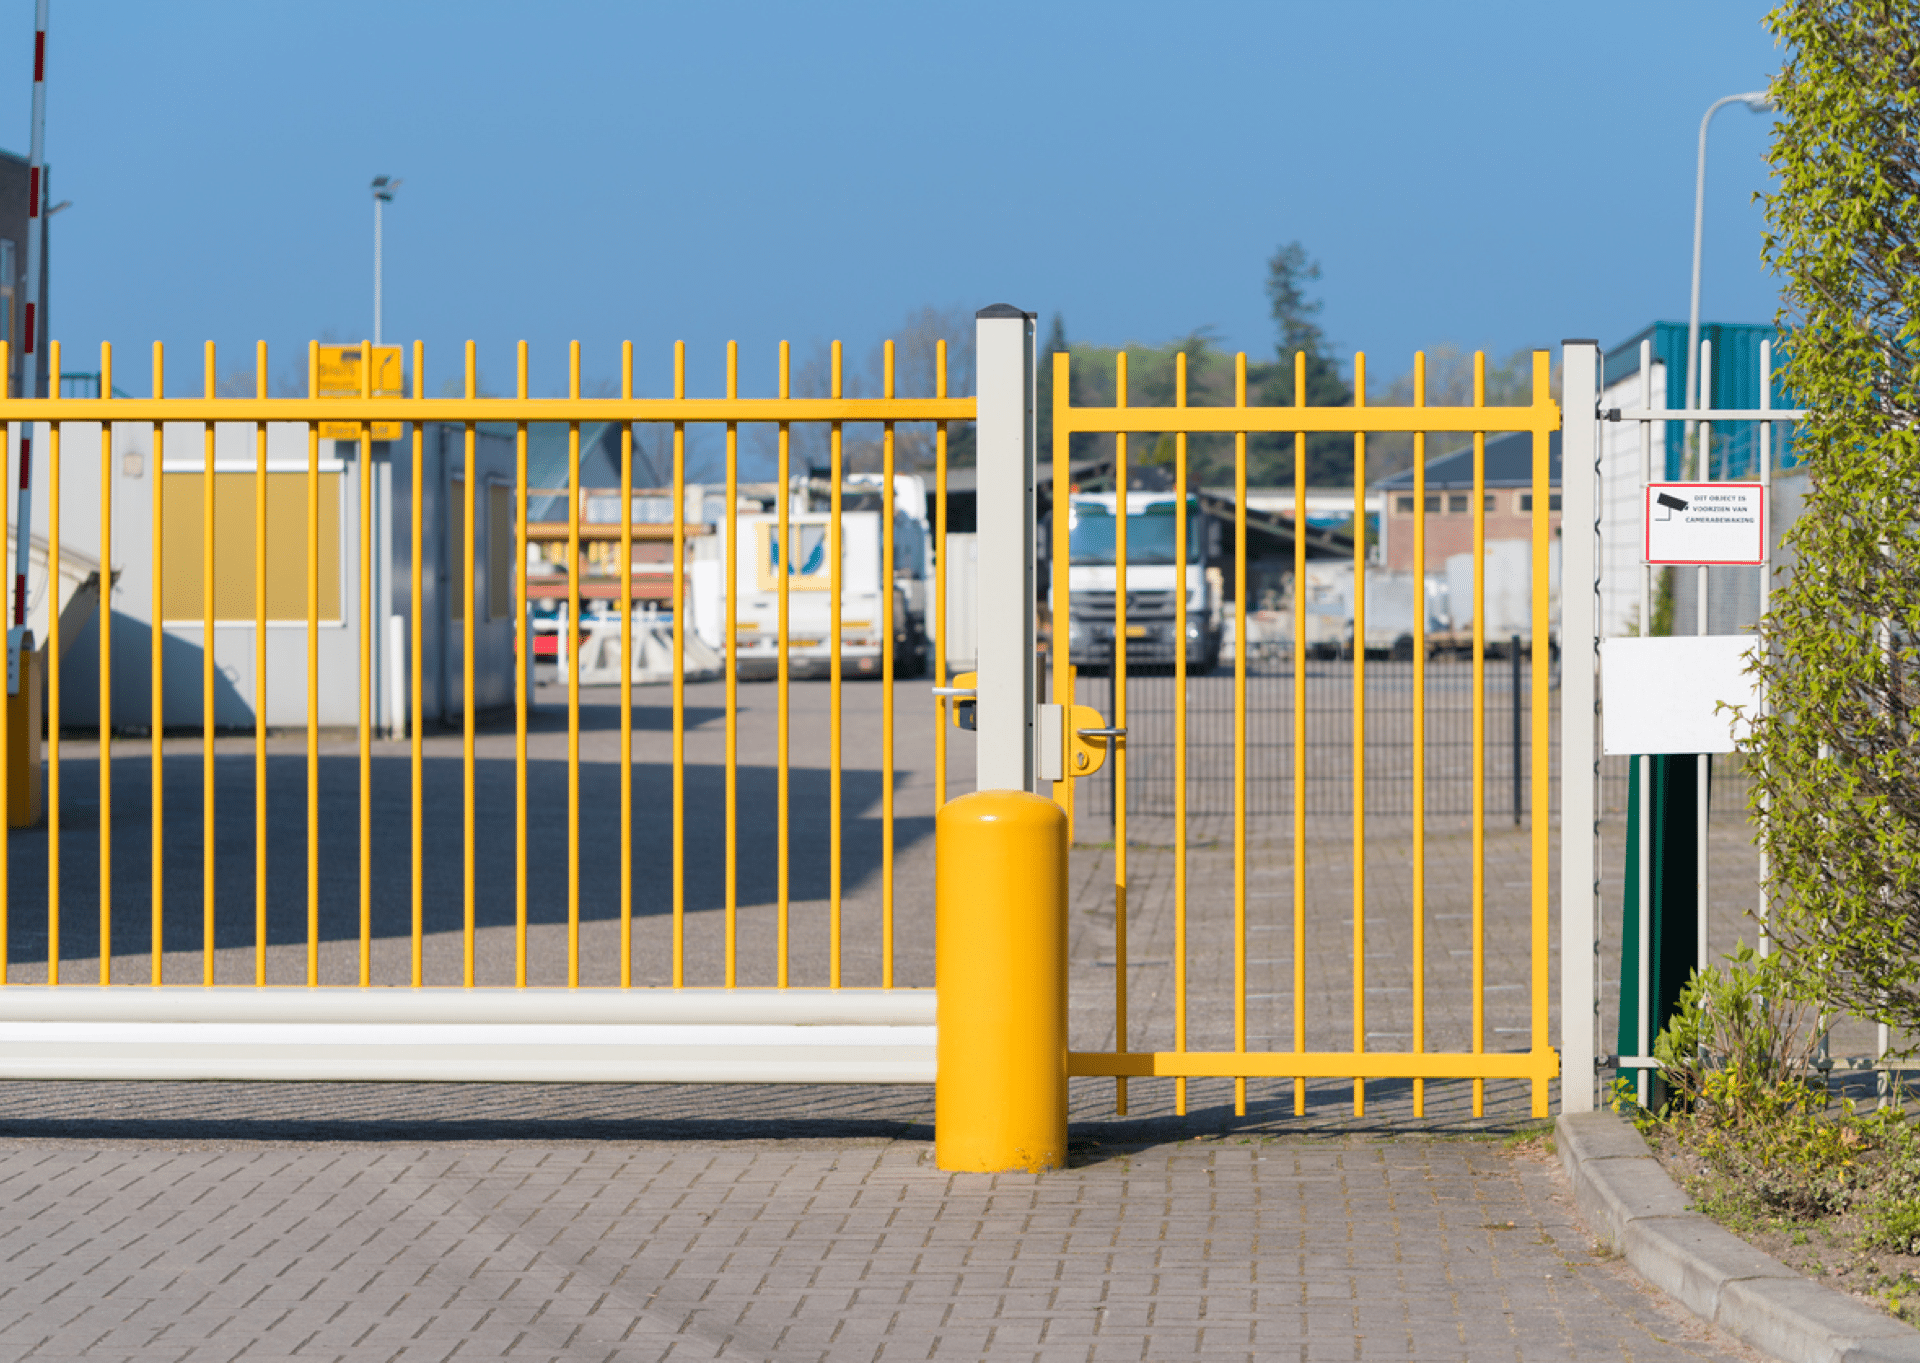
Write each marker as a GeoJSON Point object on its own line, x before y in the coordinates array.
{"type": "Point", "coordinates": [1836, 757]}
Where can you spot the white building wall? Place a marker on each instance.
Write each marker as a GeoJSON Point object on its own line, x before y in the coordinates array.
{"type": "Point", "coordinates": [131, 471]}
{"type": "Point", "coordinates": [1622, 502]}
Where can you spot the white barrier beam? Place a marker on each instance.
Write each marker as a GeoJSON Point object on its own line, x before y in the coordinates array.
{"type": "Point", "coordinates": [492, 1035]}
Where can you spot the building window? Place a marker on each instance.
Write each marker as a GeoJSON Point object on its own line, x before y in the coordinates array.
{"type": "Point", "coordinates": [181, 601]}
{"type": "Point", "coordinates": [1406, 506]}
{"type": "Point", "coordinates": [1457, 504]}
{"type": "Point", "coordinates": [1492, 501]}
{"type": "Point", "coordinates": [500, 551]}
{"type": "Point", "coordinates": [493, 535]}
{"type": "Point", "coordinates": [1526, 501]}
{"type": "Point", "coordinates": [1433, 506]}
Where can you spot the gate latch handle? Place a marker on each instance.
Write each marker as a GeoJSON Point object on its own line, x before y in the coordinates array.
{"type": "Point", "coordinates": [1101, 733]}
{"type": "Point", "coordinates": [952, 690]}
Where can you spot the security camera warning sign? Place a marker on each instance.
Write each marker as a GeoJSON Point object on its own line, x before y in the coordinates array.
{"type": "Point", "coordinates": [1706, 523]}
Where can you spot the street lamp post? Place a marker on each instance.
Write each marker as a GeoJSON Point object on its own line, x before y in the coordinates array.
{"type": "Point", "coordinates": [382, 196]}
{"type": "Point", "coordinates": [1759, 101]}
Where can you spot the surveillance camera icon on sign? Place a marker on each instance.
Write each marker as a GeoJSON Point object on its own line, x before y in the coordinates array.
{"type": "Point", "coordinates": [1668, 504]}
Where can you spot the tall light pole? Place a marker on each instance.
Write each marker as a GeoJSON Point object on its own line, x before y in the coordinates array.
{"type": "Point", "coordinates": [1759, 101]}
{"type": "Point", "coordinates": [382, 196]}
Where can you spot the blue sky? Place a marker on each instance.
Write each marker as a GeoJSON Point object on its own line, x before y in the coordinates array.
{"type": "Point", "coordinates": [1496, 175]}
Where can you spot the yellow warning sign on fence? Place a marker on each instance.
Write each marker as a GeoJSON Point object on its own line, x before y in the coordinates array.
{"type": "Point", "coordinates": [340, 378]}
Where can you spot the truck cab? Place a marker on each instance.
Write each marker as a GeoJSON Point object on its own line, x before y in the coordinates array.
{"type": "Point", "coordinates": [1153, 581]}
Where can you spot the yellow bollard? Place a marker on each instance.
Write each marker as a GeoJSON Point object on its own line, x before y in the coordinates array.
{"type": "Point", "coordinates": [1000, 912]}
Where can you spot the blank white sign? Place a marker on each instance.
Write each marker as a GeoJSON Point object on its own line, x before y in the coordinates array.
{"type": "Point", "coordinates": [1663, 695]}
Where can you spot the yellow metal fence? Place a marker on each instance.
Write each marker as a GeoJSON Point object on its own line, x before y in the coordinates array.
{"type": "Point", "coordinates": [1537, 1064]}
{"type": "Point", "coordinates": [468, 411]}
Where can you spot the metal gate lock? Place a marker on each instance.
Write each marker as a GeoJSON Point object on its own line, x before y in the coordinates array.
{"type": "Point", "coordinates": [965, 687]}
{"type": "Point", "coordinates": [1088, 739]}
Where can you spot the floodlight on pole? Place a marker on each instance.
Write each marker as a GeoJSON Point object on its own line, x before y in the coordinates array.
{"type": "Point", "coordinates": [1759, 101]}
{"type": "Point", "coordinates": [383, 188]}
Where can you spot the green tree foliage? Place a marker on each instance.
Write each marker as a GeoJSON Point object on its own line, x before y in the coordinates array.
{"type": "Point", "coordinates": [1290, 271]}
{"type": "Point", "coordinates": [1837, 758]}
{"type": "Point", "coordinates": [1151, 381]}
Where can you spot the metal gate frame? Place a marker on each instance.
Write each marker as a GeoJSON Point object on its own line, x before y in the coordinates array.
{"type": "Point", "coordinates": [1540, 1063]}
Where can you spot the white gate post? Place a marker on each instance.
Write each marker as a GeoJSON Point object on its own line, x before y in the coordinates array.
{"type": "Point", "coordinates": [1579, 772]}
{"type": "Point", "coordinates": [1004, 507]}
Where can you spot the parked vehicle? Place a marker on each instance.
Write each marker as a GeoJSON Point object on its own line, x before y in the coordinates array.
{"type": "Point", "coordinates": [1153, 581]}
{"type": "Point", "coordinates": [875, 597]}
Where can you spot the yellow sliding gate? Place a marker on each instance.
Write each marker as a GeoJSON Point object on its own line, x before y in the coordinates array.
{"type": "Point", "coordinates": [1310, 1056]}
{"type": "Point", "coordinates": [248, 551]}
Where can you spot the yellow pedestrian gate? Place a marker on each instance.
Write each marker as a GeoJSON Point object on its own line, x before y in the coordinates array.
{"type": "Point", "coordinates": [1300, 1062]}
{"type": "Point", "coordinates": [765, 978]}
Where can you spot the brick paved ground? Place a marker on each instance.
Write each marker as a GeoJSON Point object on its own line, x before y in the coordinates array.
{"type": "Point", "coordinates": [1341, 1248]}
{"type": "Point", "coordinates": [414, 1222]}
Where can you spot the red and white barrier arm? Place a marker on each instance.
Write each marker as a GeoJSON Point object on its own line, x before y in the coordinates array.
{"type": "Point", "coordinates": [30, 340]}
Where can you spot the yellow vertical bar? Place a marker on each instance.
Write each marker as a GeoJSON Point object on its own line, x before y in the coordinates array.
{"type": "Point", "coordinates": [1359, 733]}
{"type": "Point", "coordinates": [416, 740]}
{"type": "Point", "coordinates": [521, 699]}
{"type": "Point", "coordinates": [836, 642]}
{"type": "Point", "coordinates": [156, 682]}
{"type": "Point", "coordinates": [313, 668]}
{"type": "Point", "coordinates": [1419, 730]}
{"type": "Point", "coordinates": [207, 641]}
{"type": "Point", "coordinates": [1478, 874]}
{"type": "Point", "coordinates": [53, 676]}
{"type": "Point", "coordinates": [1240, 733]}
{"type": "Point", "coordinates": [259, 671]}
{"type": "Point", "coordinates": [1059, 599]}
{"type": "Point", "coordinates": [469, 629]}
{"type": "Point", "coordinates": [782, 553]}
{"type": "Point", "coordinates": [940, 572]}
{"type": "Point", "coordinates": [1119, 721]}
{"type": "Point", "coordinates": [1299, 732]}
{"type": "Point", "coordinates": [1540, 813]}
{"type": "Point", "coordinates": [106, 678]}
{"type": "Point", "coordinates": [366, 673]}
{"type": "Point", "coordinates": [732, 571]}
{"type": "Point", "coordinates": [626, 674]}
{"type": "Point", "coordinates": [1059, 595]}
{"type": "Point", "coordinates": [570, 644]}
{"type": "Point", "coordinates": [1180, 738]}
{"type": "Point", "coordinates": [884, 619]}
{"type": "Point", "coordinates": [679, 673]}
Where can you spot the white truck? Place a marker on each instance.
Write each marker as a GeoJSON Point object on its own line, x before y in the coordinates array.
{"type": "Point", "coordinates": [1153, 581]}
{"type": "Point", "coordinates": [874, 597]}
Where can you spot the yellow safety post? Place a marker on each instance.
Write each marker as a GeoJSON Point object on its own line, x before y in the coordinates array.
{"type": "Point", "coordinates": [1000, 913]}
